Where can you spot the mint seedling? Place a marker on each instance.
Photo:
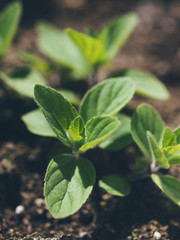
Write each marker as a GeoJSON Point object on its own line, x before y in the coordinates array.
{"type": "Point", "coordinates": [160, 145]}
{"type": "Point", "coordinates": [69, 178]}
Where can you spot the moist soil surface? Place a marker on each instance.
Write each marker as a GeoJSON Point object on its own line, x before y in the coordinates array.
{"type": "Point", "coordinates": [154, 46]}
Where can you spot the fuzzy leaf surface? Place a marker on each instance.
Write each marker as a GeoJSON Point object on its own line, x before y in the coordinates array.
{"type": "Point", "coordinates": [68, 184]}
{"type": "Point", "coordinates": [144, 119]}
{"type": "Point", "coordinates": [107, 98]}
{"type": "Point", "coordinates": [58, 46]}
{"type": "Point", "coordinates": [169, 138]}
{"type": "Point", "coordinates": [57, 110]}
{"type": "Point", "coordinates": [169, 185]}
{"type": "Point", "coordinates": [115, 34]}
{"type": "Point", "coordinates": [36, 123]}
{"type": "Point", "coordinates": [121, 137]}
{"type": "Point", "coordinates": [9, 20]}
{"type": "Point", "coordinates": [97, 129]}
{"type": "Point", "coordinates": [89, 46]}
{"type": "Point", "coordinates": [146, 84]}
{"type": "Point", "coordinates": [115, 185]}
{"type": "Point", "coordinates": [156, 154]}
{"type": "Point", "coordinates": [23, 81]}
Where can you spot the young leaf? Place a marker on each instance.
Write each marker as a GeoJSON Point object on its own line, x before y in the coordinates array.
{"type": "Point", "coordinates": [97, 129]}
{"type": "Point", "coordinates": [144, 119]}
{"type": "Point", "coordinates": [76, 130]}
{"type": "Point", "coordinates": [57, 110]}
{"type": "Point", "coordinates": [121, 137]}
{"type": "Point", "coordinates": [116, 33]}
{"type": "Point", "coordinates": [59, 47]}
{"type": "Point", "coordinates": [36, 123]}
{"type": "Point", "coordinates": [172, 153]}
{"type": "Point", "coordinates": [141, 165]}
{"type": "Point", "coordinates": [9, 20]}
{"type": "Point", "coordinates": [169, 185]}
{"type": "Point", "coordinates": [90, 47]}
{"type": "Point", "coordinates": [115, 185]}
{"type": "Point", "coordinates": [36, 62]}
{"type": "Point", "coordinates": [156, 153]}
{"type": "Point", "coordinates": [68, 184]}
{"type": "Point", "coordinates": [169, 138]}
{"type": "Point", "coordinates": [107, 98]}
{"type": "Point", "coordinates": [146, 84]}
{"type": "Point", "coordinates": [23, 81]}
{"type": "Point", "coordinates": [177, 133]}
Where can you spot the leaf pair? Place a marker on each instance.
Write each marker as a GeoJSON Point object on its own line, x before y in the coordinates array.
{"type": "Point", "coordinates": [94, 123]}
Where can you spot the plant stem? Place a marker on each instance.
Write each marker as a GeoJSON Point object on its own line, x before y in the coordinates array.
{"type": "Point", "coordinates": [92, 80]}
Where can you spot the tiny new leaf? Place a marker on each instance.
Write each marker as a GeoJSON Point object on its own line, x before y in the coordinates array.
{"type": "Point", "coordinates": [97, 129]}
{"type": "Point", "coordinates": [68, 184]}
{"type": "Point", "coordinates": [90, 47]}
{"type": "Point", "coordinates": [23, 80]}
{"type": "Point", "coordinates": [115, 185]}
{"type": "Point", "coordinates": [157, 155]}
{"type": "Point", "coordinates": [169, 185]}
{"type": "Point", "coordinates": [169, 138]}
{"type": "Point", "coordinates": [57, 110]}
{"type": "Point", "coordinates": [107, 98]}
{"type": "Point", "coordinates": [76, 131]}
{"type": "Point", "coordinates": [121, 137]}
{"type": "Point", "coordinates": [146, 84]}
{"type": "Point", "coordinates": [144, 119]}
{"type": "Point", "coordinates": [172, 153]}
{"type": "Point", "coordinates": [9, 20]}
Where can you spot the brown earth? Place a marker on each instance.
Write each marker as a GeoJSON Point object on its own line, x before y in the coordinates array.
{"type": "Point", "coordinates": [154, 46]}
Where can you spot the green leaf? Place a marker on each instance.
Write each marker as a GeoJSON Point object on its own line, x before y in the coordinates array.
{"type": "Point", "coordinates": [156, 153]}
{"type": "Point", "coordinates": [107, 98]}
{"type": "Point", "coordinates": [177, 133]}
{"type": "Point", "coordinates": [172, 153]}
{"type": "Point", "coordinates": [90, 47]}
{"type": "Point", "coordinates": [23, 80]}
{"type": "Point", "coordinates": [121, 137]}
{"type": "Point", "coordinates": [97, 129]}
{"type": "Point", "coordinates": [36, 123]}
{"type": "Point", "coordinates": [90, 32]}
{"type": "Point", "coordinates": [146, 84]}
{"type": "Point", "coordinates": [58, 46]}
{"type": "Point", "coordinates": [68, 184]}
{"type": "Point", "coordinates": [115, 185]}
{"type": "Point", "coordinates": [9, 20]}
{"type": "Point", "coordinates": [169, 138]}
{"type": "Point", "coordinates": [35, 61]}
{"type": "Point", "coordinates": [57, 110]}
{"type": "Point", "coordinates": [169, 185]}
{"type": "Point", "coordinates": [76, 130]}
{"type": "Point", "coordinates": [115, 34]}
{"type": "Point", "coordinates": [71, 96]}
{"type": "Point", "coordinates": [144, 119]}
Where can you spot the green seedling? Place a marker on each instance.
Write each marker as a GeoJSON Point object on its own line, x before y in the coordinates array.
{"type": "Point", "coordinates": [81, 55]}
{"type": "Point", "coordinates": [161, 149]}
{"type": "Point", "coordinates": [69, 179]}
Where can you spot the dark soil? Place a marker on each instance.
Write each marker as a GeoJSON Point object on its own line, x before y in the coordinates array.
{"type": "Point", "coordinates": [154, 47]}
